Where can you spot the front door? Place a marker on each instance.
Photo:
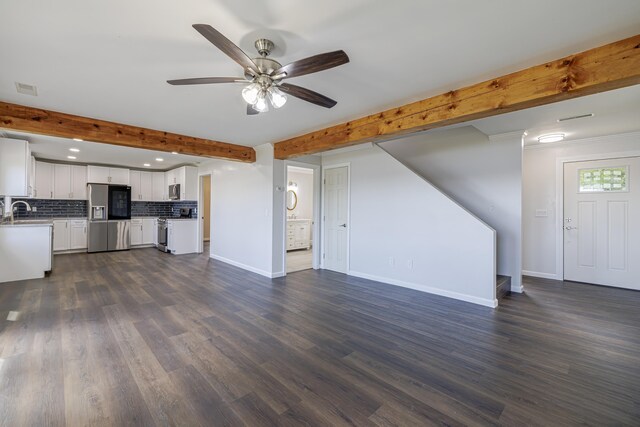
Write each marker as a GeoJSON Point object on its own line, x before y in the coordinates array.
{"type": "Point", "coordinates": [336, 218]}
{"type": "Point", "coordinates": [601, 222]}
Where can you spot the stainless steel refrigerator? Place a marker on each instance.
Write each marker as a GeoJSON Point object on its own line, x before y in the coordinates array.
{"type": "Point", "coordinates": [109, 217]}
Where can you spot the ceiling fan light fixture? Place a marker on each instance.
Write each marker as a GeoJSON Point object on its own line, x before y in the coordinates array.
{"type": "Point", "coordinates": [277, 97]}
{"type": "Point", "coordinates": [261, 103]}
{"type": "Point", "coordinates": [250, 93]}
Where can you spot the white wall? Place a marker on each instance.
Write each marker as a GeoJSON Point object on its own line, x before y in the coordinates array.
{"type": "Point", "coordinates": [397, 214]}
{"type": "Point", "coordinates": [483, 174]}
{"type": "Point", "coordinates": [242, 208]}
{"type": "Point", "coordinates": [304, 191]}
{"type": "Point", "coordinates": [540, 255]}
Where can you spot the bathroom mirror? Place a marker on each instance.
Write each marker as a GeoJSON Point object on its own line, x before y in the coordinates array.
{"type": "Point", "coordinates": [292, 200]}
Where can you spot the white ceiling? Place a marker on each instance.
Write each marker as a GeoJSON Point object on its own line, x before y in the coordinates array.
{"type": "Point", "coordinates": [110, 59]}
{"type": "Point", "coordinates": [54, 148]}
{"type": "Point", "coordinates": [614, 112]}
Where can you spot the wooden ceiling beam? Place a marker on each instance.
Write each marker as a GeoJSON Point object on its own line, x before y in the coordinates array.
{"type": "Point", "coordinates": [45, 122]}
{"type": "Point", "coordinates": [604, 68]}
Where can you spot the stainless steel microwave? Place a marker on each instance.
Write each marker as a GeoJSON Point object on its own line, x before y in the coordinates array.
{"type": "Point", "coordinates": [174, 192]}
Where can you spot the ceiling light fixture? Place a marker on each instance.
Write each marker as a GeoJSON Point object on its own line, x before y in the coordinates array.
{"type": "Point", "coordinates": [75, 150]}
{"type": "Point", "coordinates": [263, 89]}
{"type": "Point", "coordinates": [552, 137]}
{"type": "Point", "coordinates": [147, 164]}
{"type": "Point", "coordinates": [71, 157]}
{"type": "Point", "coordinates": [159, 159]}
{"type": "Point", "coordinates": [77, 139]}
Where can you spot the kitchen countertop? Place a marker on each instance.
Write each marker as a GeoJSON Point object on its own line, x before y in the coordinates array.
{"type": "Point", "coordinates": [29, 223]}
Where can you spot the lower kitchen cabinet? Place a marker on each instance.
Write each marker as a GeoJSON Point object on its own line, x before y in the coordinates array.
{"type": "Point", "coordinates": [143, 231]}
{"type": "Point", "coordinates": [69, 234]}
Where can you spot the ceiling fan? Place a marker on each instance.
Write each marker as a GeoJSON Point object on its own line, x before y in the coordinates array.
{"type": "Point", "coordinates": [264, 76]}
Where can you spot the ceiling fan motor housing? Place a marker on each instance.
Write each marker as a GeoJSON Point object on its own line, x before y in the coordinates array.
{"type": "Point", "coordinates": [264, 46]}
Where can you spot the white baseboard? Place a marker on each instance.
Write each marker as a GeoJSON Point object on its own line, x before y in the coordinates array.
{"type": "Point", "coordinates": [278, 274]}
{"type": "Point", "coordinates": [517, 289]}
{"type": "Point", "coordinates": [493, 303]}
{"type": "Point", "coordinates": [244, 266]}
{"type": "Point", "coordinates": [541, 275]}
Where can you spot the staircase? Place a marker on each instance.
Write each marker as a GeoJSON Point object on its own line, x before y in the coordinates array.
{"type": "Point", "coordinates": [503, 286]}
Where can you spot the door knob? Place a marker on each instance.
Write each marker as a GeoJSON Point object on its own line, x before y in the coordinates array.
{"type": "Point", "coordinates": [568, 227]}
{"type": "Point", "coordinates": [343, 225]}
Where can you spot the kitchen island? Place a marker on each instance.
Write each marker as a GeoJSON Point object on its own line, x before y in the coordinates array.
{"type": "Point", "coordinates": [25, 250]}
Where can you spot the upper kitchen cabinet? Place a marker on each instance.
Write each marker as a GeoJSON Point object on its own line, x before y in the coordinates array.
{"type": "Point", "coordinates": [69, 182]}
{"type": "Point", "coordinates": [187, 177]}
{"type": "Point", "coordinates": [44, 180]}
{"type": "Point", "coordinates": [160, 189]}
{"type": "Point", "coordinates": [15, 168]}
{"type": "Point", "coordinates": [105, 175]}
{"type": "Point", "coordinates": [141, 185]}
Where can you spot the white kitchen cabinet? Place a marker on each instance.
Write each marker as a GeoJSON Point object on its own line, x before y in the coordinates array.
{"type": "Point", "coordinates": [15, 168]}
{"type": "Point", "coordinates": [160, 186]}
{"type": "Point", "coordinates": [69, 234]}
{"type": "Point", "coordinates": [44, 180]}
{"type": "Point", "coordinates": [148, 231]}
{"type": "Point", "coordinates": [79, 182]}
{"type": "Point", "coordinates": [105, 175]}
{"type": "Point", "coordinates": [141, 185]}
{"type": "Point", "coordinates": [182, 236]}
{"type": "Point", "coordinates": [69, 182]}
{"type": "Point", "coordinates": [98, 174]}
{"type": "Point", "coordinates": [143, 231]}
{"type": "Point", "coordinates": [61, 181]}
{"type": "Point", "coordinates": [78, 234]}
{"type": "Point", "coordinates": [32, 176]}
{"type": "Point", "coordinates": [61, 235]}
{"type": "Point", "coordinates": [136, 191]}
{"type": "Point", "coordinates": [136, 232]}
{"type": "Point", "coordinates": [119, 176]}
{"type": "Point", "coordinates": [298, 234]}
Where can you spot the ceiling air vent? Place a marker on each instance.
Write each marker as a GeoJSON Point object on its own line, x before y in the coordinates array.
{"type": "Point", "coordinates": [26, 89]}
{"type": "Point", "coordinates": [583, 116]}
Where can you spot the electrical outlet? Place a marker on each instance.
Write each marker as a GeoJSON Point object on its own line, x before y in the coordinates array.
{"type": "Point", "coordinates": [410, 264]}
{"type": "Point", "coordinates": [34, 209]}
{"type": "Point", "coordinates": [392, 261]}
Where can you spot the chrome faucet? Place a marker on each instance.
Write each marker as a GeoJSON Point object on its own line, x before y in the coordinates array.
{"type": "Point", "coordinates": [15, 203]}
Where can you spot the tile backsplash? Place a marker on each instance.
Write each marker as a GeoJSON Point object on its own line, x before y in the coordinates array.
{"type": "Point", "coordinates": [161, 209]}
{"type": "Point", "coordinates": [47, 208]}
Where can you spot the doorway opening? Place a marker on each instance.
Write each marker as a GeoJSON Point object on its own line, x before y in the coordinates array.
{"type": "Point", "coordinates": [204, 213]}
{"type": "Point", "coordinates": [301, 204]}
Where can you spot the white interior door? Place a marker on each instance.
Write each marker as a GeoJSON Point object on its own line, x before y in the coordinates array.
{"type": "Point", "coordinates": [336, 218]}
{"type": "Point", "coordinates": [601, 222]}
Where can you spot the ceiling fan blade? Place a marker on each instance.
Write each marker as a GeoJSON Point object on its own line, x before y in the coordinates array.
{"type": "Point", "coordinates": [226, 46]}
{"type": "Point", "coordinates": [307, 95]}
{"type": "Point", "coordinates": [207, 80]}
{"type": "Point", "coordinates": [313, 64]}
{"type": "Point", "coordinates": [251, 111]}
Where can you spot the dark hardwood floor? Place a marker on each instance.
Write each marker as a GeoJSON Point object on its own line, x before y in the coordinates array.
{"type": "Point", "coordinates": [145, 338]}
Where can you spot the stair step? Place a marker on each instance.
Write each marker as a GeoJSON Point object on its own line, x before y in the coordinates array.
{"type": "Point", "coordinates": [503, 286]}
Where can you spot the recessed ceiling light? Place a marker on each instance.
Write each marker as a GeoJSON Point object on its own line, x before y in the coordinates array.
{"type": "Point", "coordinates": [71, 157]}
{"type": "Point", "coordinates": [552, 137]}
{"type": "Point", "coordinates": [75, 150]}
{"type": "Point", "coordinates": [77, 139]}
{"type": "Point", "coordinates": [174, 152]}
{"type": "Point", "coordinates": [159, 159]}
{"type": "Point", "coordinates": [147, 164]}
